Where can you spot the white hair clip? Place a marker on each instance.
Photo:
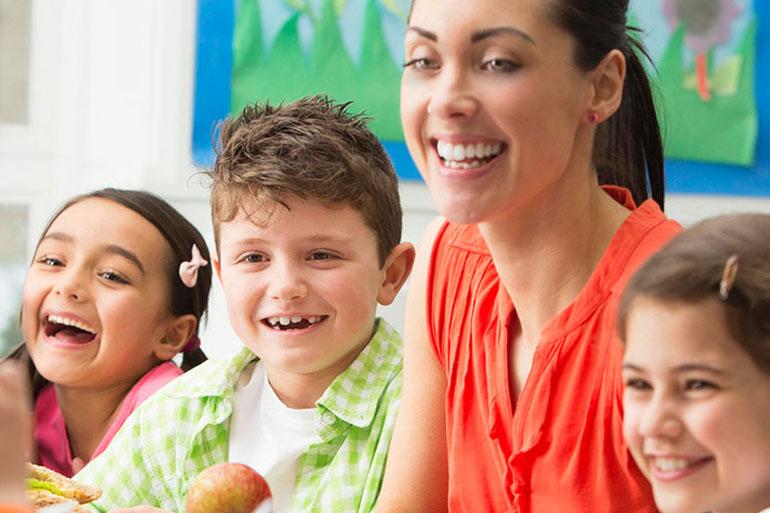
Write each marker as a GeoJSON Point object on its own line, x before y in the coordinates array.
{"type": "Point", "coordinates": [188, 271]}
{"type": "Point", "coordinates": [728, 277]}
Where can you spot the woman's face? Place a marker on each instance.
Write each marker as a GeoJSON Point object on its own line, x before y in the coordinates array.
{"type": "Point", "coordinates": [697, 409]}
{"type": "Point", "coordinates": [491, 102]}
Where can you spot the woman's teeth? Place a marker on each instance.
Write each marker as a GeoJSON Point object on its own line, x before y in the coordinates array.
{"type": "Point", "coordinates": [465, 156]}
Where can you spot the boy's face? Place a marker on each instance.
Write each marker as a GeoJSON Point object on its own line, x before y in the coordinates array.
{"type": "Point", "coordinates": [302, 286]}
{"type": "Point", "coordinates": [696, 409]}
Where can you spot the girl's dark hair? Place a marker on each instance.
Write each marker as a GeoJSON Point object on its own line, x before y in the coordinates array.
{"type": "Point", "coordinates": [628, 150]}
{"type": "Point", "coordinates": [689, 270]}
{"type": "Point", "coordinates": [180, 235]}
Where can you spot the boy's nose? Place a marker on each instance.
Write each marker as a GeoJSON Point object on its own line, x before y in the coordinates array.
{"type": "Point", "coordinates": [453, 96]}
{"type": "Point", "coordinates": [287, 285]}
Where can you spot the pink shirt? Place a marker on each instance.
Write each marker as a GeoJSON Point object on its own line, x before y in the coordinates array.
{"type": "Point", "coordinates": [53, 444]}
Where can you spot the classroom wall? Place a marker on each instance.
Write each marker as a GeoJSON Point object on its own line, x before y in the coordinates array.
{"type": "Point", "coordinates": [111, 95]}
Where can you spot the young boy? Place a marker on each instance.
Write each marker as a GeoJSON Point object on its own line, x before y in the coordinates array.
{"type": "Point", "coordinates": [307, 225]}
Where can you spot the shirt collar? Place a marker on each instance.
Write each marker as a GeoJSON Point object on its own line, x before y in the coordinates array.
{"type": "Point", "coordinates": [354, 395]}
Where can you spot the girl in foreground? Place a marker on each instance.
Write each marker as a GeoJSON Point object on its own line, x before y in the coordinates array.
{"type": "Point", "coordinates": [696, 325]}
{"type": "Point", "coordinates": [116, 289]}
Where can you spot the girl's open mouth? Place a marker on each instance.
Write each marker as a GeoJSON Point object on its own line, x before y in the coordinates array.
{"type": "Point", "coordinates": [68, 330]}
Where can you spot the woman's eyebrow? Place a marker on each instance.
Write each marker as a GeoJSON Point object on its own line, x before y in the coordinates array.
{"type": "Point", "coordinates": [496, 31]}
{"type": "Point", "coordinates": [477, 36]}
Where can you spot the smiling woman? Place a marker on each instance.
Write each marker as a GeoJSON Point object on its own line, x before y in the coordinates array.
{"type": "Point", "coordinates": [534, 127]}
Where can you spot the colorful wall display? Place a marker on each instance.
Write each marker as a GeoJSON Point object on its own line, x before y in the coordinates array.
{"type": "Point", "coordinates": [709, 57]}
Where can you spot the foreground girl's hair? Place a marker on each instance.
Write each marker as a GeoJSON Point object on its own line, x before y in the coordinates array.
{"type": "Point", "coordinates": [726, 257]}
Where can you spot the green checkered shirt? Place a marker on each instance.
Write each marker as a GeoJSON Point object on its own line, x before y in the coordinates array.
{"type": "Point", "coordinates": [184, 428]}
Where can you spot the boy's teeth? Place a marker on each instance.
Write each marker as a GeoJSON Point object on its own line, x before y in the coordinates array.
{"type": "Point", "coordinates": [57, 319]}
{"type": "Point", "coordinates": [294, 319]}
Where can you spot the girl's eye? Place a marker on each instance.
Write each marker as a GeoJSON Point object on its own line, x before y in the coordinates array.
{"type": "Point", "coordinates": [113, 276]}
{"type": "Point", "coordinates": [637, 384]}
{"type": "Point", "coordinates": [502, 65]}
{"type": "Point", "coordinates": [699, 384]}
{"type": "Point", "coordinates": [421, 63]}
{"type": "Point", "coordinates": [50, 261]}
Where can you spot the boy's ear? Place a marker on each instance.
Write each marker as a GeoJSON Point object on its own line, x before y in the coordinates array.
{"type": "Point", "coordinates": [607, 85]}
{"type": "Point", "coordinates": [178, 332]}
{"type": "Point", "coordinates": [217, 267]}
{"type": "Point", "coordinates": [396, 270]}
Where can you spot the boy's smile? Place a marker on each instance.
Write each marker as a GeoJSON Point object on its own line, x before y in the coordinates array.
{"type": "Point", "coordinates": [302, 286]}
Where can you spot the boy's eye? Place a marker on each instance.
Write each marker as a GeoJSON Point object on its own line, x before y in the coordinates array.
{"type": "Point", "coordinates": [113, 276]}
{"type": "Point", "coordinates": [503, 65]}
{"type": "Point", "coordinates": [253, 258]}
{"type": "Point", "coordinates": [321, 255]}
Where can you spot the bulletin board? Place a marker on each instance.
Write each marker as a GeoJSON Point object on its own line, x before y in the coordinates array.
{"type": "Point", "coordinates": [711, 80]}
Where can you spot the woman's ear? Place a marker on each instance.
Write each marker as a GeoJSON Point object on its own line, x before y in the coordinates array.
{"type": "Point", "coordinates": [607, 80]}
{"type": "Point", "coordinates": [396, 270]}
{"type": "Point", "coordinates": [178, 332]}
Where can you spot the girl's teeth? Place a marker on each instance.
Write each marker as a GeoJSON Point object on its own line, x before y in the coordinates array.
{"type": "Point", "coordinates": [57, 319]}
{"type": "Point", "coordinates": [671, 464]}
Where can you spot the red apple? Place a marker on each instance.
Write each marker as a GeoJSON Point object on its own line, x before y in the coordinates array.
{"type": "Point", "coordinates": [228, 488]}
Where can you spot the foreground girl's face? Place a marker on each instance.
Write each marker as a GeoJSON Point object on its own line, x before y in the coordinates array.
{"type": "Point", "coordinates": [697, 409]}
{"type": "Point", "coordinates": [96, 296]}
{"type": "Point", "coordinates": [490, 103]}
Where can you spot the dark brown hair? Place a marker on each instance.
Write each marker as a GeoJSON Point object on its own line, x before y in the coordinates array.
{"type": "Point", "coordinates": [689, 270]}
{"type": "Point", "coordinates": [313, 149]}
{"type": "Point", "coordinates": [180, 235]}
{"type": "Point", "coordinates": [628, 150]}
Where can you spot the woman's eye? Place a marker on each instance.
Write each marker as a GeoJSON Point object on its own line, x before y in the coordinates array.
{"type": "Point", "coordinates": [421, 63]}
{"type": "Point", "coordinates": [113, 276]}
{"type": "Point", "coordinates": [503, 65]}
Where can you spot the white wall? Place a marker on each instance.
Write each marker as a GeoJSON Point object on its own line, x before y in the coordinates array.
{"type": "Point", "coordinates": [111, 104]}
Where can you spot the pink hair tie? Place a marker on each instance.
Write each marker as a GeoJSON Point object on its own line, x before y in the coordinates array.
{"type": "Point", "coordinates": [192, 344]}
{"type": "Point", "coordinates": [188, 271]}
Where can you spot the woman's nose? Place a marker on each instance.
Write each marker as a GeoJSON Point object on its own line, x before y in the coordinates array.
{"type": "Point", "coordinates": [453, 95]}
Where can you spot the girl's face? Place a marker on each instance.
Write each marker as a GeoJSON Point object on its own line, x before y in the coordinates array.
{"type": "Point", "coordinates": [697, 409]}
{"type": "Point", "coordinates": [491, 102]}
{"type": "Point", "coordinates": [96, 296]}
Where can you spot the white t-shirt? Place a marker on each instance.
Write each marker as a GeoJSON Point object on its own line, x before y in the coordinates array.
{"type": "Point", "coordinates": [267, 435]}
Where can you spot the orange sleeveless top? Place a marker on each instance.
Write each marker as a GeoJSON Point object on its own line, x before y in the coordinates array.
{"type": "Point", "coordinates": [559, 446]}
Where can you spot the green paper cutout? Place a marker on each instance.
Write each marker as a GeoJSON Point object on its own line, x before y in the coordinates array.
{"type": "Point", "coordinates": [286, 73]}
{"type": "Point", "coordinates": [723, 129]}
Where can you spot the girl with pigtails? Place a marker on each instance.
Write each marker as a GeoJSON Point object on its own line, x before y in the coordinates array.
{"type": "Point", "coordinates": [116, 289]}
{"type": "Point", "coordinates": [533, 125]}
